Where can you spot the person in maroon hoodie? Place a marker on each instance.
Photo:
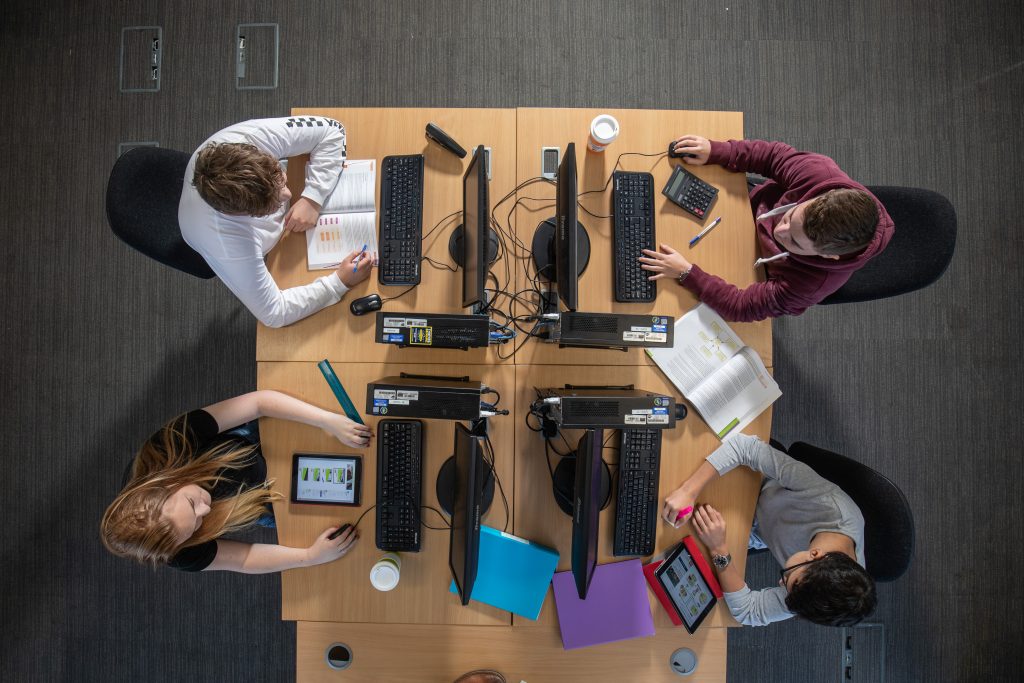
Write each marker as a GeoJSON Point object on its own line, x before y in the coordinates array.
{"type": "Point", "coordinates": [815, 227]}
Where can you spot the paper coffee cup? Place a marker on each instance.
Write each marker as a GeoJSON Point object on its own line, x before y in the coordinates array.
{"type": "Point", "coordinates": [385, 573]}
{"type": "Point", "coordinates": [603, 131]}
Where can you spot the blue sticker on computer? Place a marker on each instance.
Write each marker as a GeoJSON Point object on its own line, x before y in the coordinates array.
{"type": "Point", "coordinates": [380, 401]}
{"type": "Point", "coordinates": [660, 411]}
{"type": "Point", "coordinates": [395, 338]}
{"type": "Point", "coordinates": [659, 328]}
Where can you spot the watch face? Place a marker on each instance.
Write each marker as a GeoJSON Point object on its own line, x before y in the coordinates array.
{"type": "Point", "coordinates": [721, 561]}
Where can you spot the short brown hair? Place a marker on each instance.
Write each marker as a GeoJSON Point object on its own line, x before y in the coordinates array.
{"type": "Point", "coordinates": [237, 178]}
{"type": "Point", "coordinates": [841, 221]}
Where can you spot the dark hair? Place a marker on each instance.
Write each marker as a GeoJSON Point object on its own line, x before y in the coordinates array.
{"type": "Point", "coordinates": [841, 221]}
{"type": "Point", "coordinates": [833, 591]}
{"type": "Point", "coordinates": [237, 178]}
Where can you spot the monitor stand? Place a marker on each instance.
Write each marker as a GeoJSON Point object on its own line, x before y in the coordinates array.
{"type": "Point", "coordinates": [543, 249]}
{"type": "Point", "coordinates": [445, 486]}
{"type": "Point", "coordinates": [455, 245]}
{"type": "Point", "coordinates": [564, 485]}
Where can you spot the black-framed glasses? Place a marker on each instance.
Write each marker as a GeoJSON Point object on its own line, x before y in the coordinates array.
{"type": "Point", "coordinates": [786, 570]}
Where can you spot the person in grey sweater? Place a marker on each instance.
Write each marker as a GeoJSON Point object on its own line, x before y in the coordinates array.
{"type": "Point", "coordinates": [812, 528]}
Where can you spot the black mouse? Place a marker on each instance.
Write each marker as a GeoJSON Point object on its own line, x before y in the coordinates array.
{"type": "Point", "coordinates": [342, 529]}
{"type": "Point", "coordinates": [673, 154]}
{"type": "Point", "coordinates": [681, 411]}
{"type": "Point", "coordinates": [366, 304]}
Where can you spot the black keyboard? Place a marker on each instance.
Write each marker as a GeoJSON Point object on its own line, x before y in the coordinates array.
{"type": "Point", "coordinates": [633, 210]}
{"type": "Point", "coordinates": [399, 472]}
{"type": "Point", "coordinates": [401, 220]}
{"type": "Point", "coordinates": [636, 512]}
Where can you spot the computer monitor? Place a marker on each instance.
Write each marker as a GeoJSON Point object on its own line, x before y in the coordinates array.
{"type": "Point", "coordinates": [476, 213]}
{"type": "Point", "coordinates": [464, 544]}
{"type": "Point", "coordinates": [561, 246]}
{"type": "Point", "coordinates": [587, 501]}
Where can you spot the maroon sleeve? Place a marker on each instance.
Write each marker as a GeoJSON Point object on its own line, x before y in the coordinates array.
{"type": "Point", "coordinates": [785, 165]}
{"type": "Point", "coordinates": [758, 301]}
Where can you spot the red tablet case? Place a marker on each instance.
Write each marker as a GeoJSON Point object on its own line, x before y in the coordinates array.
{"type": "Point", "coordinates": [702, 567]}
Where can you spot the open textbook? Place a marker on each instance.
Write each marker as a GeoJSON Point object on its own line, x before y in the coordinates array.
{"type": "Point", "coordinates": [724, 380]}
{"type": "Point", "coordinates": [348, 218]}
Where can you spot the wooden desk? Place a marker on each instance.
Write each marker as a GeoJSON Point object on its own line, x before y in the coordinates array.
{"type": "Point", "coordinates": [729, 251]}
{"type": "Point", "coordinates": [436, 637]}
{"type": "Point", "coordinates": [439, 654]}
{"type": "Point", "coordinates": [373, 134]}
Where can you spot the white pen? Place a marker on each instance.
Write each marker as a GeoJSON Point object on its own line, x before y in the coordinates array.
{"type": "Point", "coordinates": [762, 261]}
{"type": "Point", "coordinates": [705, 231]}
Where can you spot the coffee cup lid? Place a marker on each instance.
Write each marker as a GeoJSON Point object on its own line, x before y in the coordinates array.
{"type": "Point", "coordinates": [384, 577]}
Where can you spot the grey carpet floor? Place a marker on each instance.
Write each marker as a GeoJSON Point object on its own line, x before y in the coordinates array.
{"type": "Point", "coordinates": [101, 345]}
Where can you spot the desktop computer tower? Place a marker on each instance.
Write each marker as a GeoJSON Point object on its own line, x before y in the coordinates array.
{"type": "Point", "coordinates": [616, 330]}
{"type": "Point", "coordinates": [433, 330]}
{"type": "Point", "coordinates": [609, 408]}
{"type": "Point", "coordinates": [439, 398]}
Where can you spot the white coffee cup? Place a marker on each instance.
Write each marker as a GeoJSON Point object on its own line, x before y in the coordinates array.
{"type": "Point", "coordinates": [603, 131]}
{"type": "Point", "coordinates": [385, 573]}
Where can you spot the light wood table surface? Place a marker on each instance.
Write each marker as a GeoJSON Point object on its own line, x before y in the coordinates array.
{"type": "Point", "coordinates": [419, 631]}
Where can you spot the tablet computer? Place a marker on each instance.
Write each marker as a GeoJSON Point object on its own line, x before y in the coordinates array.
{"type": "Point", "coordinates": [327, 479]}
{"type": "Point", "coordinates": [686, 586]}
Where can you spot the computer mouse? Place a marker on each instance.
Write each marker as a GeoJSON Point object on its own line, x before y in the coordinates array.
{"type": "Point", "coordinates": [681, 411]}
{"type": "Point", "coordinates": [366, 304]}
{"type": "Point", "coordinates": [342, 529]}
{"type": "Point", "coordinates": [672, 154]}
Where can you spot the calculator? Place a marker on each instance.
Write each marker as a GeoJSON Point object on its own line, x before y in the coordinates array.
{"type": "Point", "coordinates": [690, 192]}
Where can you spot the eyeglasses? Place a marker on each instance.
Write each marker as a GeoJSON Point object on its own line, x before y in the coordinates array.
{"type": "Point", "coordinates": [786, 570]}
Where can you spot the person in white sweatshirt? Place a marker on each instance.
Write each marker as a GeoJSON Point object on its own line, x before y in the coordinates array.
{"type": "Point", "coordinates": [234, 209]}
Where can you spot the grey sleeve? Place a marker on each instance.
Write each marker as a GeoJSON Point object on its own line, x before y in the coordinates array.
{"type": "Point", "coordinates": [758, 608]}
{"type": "Point", "coordinates": [751, 452]}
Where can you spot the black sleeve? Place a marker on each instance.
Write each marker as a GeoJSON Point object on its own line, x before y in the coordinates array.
{"type": "Point", "coordinates": [198, 426]}
{"type": "Point", "coordinates": [194, 558]}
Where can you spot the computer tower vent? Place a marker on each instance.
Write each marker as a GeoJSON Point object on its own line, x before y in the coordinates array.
{"type": "Point", "coordinates": [578, 409]}
{"type": "Point", "coordinates": [593, 323]}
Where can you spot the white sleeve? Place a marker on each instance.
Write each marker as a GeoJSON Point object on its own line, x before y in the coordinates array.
{"type": "Point", "coordinates": [758, 608]}
{"type": "Point", "coordinates": [320, 137]}
{"type": "Point", "coordinates": [248, 278]}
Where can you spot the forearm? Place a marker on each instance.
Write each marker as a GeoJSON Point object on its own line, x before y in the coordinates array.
{"type": "Point", "coordinates": [695, 484]}
{"type": "Point", "coordinates": [729, 578]}
{"type": "Point", "coordinates": [260, 558]}
{"type": "Point", "coordinates": [284, 407]}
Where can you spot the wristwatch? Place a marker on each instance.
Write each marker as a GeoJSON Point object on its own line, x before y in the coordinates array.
{"type": "Point", "coordinates": [721, 561]}
{"type": "Point", "coordinates": [683, 275]}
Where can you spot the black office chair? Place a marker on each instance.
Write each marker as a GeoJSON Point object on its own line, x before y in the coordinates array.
{"type": "Point", "coordinates": [918, 253]}
{"type": "Point", "coordinates": [888, 521]}
{"type": "Point", "coordinates": [142, 207]}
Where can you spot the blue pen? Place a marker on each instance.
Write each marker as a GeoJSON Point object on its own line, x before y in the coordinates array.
{"type": "Point", "coordinates": [360, 258]}
{"type": "Point", "coordinates": [339, 391]}
{"type": "Point", "coordinates": [705, 231]}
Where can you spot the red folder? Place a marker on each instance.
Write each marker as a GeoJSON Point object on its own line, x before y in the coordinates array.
{"type": "Point", "coordinates": [702, 567]}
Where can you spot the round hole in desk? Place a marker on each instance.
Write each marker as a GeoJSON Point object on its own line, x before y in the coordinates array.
{"type": "Point", "coordinates": [683, 661]}
{"type": "Point", "coordinates": [338, 656]}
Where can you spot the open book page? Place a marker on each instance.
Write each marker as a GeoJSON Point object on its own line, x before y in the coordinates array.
{"type": "Point", "coordinates": [348, 218]}
{"type": "Point", "coordinates": [703, 344]}
{"type": "Point", "coordinates": [336, 235]}
{"type": "Point", "coordinates": [737, 393]}
{"type": "Point", "coordinates": [354, 191]}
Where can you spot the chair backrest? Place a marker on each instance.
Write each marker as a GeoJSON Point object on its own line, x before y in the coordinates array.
{"type": "Point", "coordinates": [918, 254]}
{"type": "Point", "coordinates": [142, 207]}
{"type": "Point", "coordinates": [888, 521]}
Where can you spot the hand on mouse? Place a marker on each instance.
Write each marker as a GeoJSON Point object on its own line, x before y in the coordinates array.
{"type": "Point", "coordinates": [325, 549]}
{"type": "Point", "coordinates": [352, 272]}
{"type": "Point", "coordinates": [696, 145]}
{"type": "Point", "coordinates": [347, 431]}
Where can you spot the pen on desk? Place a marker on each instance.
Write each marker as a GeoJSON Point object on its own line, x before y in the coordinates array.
{"type": "Point", "coordinates": [705, 231]}
{"type": "Point", "coordinates": [762, 261]}
{"type": "Point", "coordinates": [359, 258]}
{"type": "Point", "coordinates": [339, 392]}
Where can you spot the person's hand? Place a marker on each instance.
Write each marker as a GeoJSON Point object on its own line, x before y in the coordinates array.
{"type": "Point", "coordinates": [696, 145]}
{"type": "Point", "coordinates": [355, 268]}
{"type": "Point", "coordinates": [664, 263]}
{"type": "Point", "coordinates": [347, 431]}
{"type": "Point", "coordinates": [675, 502]}
{"type": "Point", "coordinates": [710, 527]}
{"type": "Point", "coordinates": [325, 549]}
{"type": "Point", "coordinates": [302, 216]}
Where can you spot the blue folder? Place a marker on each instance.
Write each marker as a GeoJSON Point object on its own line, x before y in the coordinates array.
{"type": "Point", "coordinates": [513, 573]}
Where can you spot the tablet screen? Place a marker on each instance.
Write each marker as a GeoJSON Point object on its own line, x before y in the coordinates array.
{"type": "Point", "coordinates": [686, 587]}
{"type": "Point", "coordinates": [326, 479]}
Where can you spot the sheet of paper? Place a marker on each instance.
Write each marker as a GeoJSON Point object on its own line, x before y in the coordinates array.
{"type": "Point", "coordinates": [336, 235]}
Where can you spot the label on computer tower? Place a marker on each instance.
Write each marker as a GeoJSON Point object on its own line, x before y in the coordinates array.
{"type": "Point", "coordinates": [420, 336]}
{"type": "Point", "coordinates": [655, 336]}
{"type": "Point", "coordinates": [636, 328]}
{"type": "Point", "coordinates": [394, 338]}
{"type": "Point", "coordinates": [634, 336]}
{"type": "Point", "coordinates": [642, 411]}
{"type": "Point", "coordinates": [635, 419]}
{"type": "Point", "coordinates": [659, 328]}
{"type": "Point", "coordinates": [384, 393]}
{"type": "Point", "coordinates": [399, 402]}
{"type": "Point", "coordinates": [657, 419]}
{"type": "Point", "coordinates": [408, 395]}
{"type": "Point", "coordinates": [391, 330]}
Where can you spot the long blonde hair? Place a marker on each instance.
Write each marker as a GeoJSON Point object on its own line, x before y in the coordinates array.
{"type": "Point", "coordinates": [133, 525]}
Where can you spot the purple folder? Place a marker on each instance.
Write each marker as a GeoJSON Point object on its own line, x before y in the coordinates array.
{"type": "Point", "coordinates": [616, 607]}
